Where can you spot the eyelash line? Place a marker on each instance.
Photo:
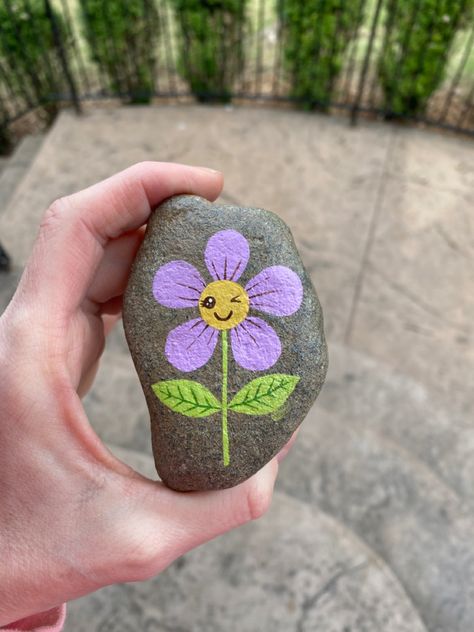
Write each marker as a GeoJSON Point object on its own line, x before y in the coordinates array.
{"type": "Point", "coordinates": [234, 299]}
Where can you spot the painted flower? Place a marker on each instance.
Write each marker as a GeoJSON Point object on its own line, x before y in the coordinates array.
{"type": "Point", "coordinates": [224, 304]}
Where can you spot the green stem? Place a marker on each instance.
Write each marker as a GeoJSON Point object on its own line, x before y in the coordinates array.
{"type": "Point", "coordinates": [225, 435]}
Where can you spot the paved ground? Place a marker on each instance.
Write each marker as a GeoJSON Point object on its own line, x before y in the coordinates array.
{"type": "Point", "coordinates": [382, 477]}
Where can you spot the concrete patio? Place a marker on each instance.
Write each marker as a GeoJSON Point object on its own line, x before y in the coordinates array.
{"type": "Point", "coordinates": [372, 525]}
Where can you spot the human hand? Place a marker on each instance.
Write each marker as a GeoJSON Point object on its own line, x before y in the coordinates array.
{"type": "Point", "coordinates": [74, 518]}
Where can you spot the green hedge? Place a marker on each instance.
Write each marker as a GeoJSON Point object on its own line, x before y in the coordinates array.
{"type": "Point", "coordinates": [122, 36]}
{"type": "Point", "coordinates": [28, 53]}
{"type": "Point", "coordinates": [211, 45]}
{"type": "Point", "coordinates": [316, 35]}
{"type": "Point", "coordinates": [414, 58]}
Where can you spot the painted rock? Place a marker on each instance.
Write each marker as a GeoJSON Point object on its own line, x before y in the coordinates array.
{"type": "Point", "coordinates": [226, 333]}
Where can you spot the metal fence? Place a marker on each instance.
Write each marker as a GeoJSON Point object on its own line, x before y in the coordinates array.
{"type": "Point", "coordinates": [391, 59]}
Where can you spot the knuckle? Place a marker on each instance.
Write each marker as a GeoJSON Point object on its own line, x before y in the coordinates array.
{"type": "Point", "coordinates": [138, 562]}
{"type": "Point", "coordinates": [137, 539]}
{"type": "Point", "coordinates": [124, 554]}
{"type": "Point", "coordinates": [143, 165]}
{"type": "Point", "coordinates": [17, 334]}
{"type": "Point", "coordinates": [54, 214]}
{"type": "Point", "coordinates": [140, 557]}
{"type": "Point", "coordinates": [136, 171]}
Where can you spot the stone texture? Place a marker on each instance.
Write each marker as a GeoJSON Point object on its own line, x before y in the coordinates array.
{"type": "Point", "coordinates": [189, 452]}
{"type": "Point", "coordinates": [394, 405]}
{"type": "Point", "coordinates": [295, 569]}
{"type": "Point", "coordinates": [396, 505]}
{"type": "Point", "coordinates": [418, 282]}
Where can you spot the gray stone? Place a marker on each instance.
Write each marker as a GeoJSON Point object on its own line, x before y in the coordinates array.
{"type": "Point", "coordinates": [396, 505]}
{"type": "Point", "coordinates": [295, 569]}
{"type": "Point", "coordinates": [178, 326]}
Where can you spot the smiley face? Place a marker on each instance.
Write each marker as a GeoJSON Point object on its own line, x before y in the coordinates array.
{"type": "Point", "coordinates": [223, 304]}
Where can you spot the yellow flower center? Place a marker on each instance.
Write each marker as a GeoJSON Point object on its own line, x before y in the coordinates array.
{"type": "Point", "coordinates": [224, 304]}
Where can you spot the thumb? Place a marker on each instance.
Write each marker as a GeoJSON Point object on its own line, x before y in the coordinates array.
{"type": "Point", "coordinates": [167, 524]}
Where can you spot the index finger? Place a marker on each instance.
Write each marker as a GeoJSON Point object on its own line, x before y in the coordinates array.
{"type": "Point", "coordinates": [76, 228]}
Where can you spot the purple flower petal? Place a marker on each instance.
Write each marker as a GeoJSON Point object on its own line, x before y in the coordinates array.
{"type": "Point", "coordinates": [227, 254]}
{"type": "Point", "coordinates": [276, 290]}
{"type": "Point", "coordinates": [255, 345]}
{"type": "Point", "coordinates": [178, 284]}
{"type": "Point", "coordinates": [190, 346]}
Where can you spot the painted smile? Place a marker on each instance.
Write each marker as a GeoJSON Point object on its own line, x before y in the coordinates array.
{"type": "Point", "coordinates": [223, 304]}
{"type": "Point", "coordinates": [229, 315]}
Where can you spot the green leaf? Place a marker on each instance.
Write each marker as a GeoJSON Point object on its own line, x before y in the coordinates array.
{"type": "Point", "coordinates": [187, 397]}
{"type": "Point", "coordinates": [264, 394]}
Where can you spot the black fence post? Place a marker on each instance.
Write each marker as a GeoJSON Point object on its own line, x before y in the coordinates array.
{"type": "Point", "coordinates": [58, 41]}
{"type": "Point", "coordinates": [363, 75]}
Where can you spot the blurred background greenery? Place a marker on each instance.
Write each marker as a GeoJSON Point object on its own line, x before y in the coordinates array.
{"type": "Point", "coordinates": [398, 58]}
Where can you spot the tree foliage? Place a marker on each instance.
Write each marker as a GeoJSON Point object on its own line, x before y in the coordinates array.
{"type": "Point", "coordinates": [316, 35]}
{"type": "Point", "coordinates": [122, 36]}
{"type": "Point", "coordinates": [28, 53]}
{"type": "Point", "coordinates": [413, 61]}
{"type": "Point", "coordinates": [212, 53]}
